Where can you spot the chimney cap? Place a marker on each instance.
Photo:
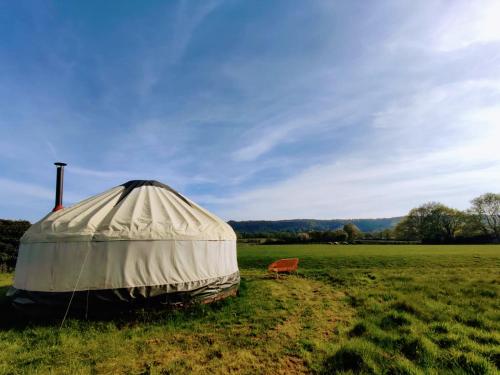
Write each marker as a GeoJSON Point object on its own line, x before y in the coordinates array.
{"type": "Point", "coordinates": [59, 164]}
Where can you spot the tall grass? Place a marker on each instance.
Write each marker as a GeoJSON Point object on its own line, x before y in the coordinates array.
{"type": "Point", "coordinates": [350, 309]}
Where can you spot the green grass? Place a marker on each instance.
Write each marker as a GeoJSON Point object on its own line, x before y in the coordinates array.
{"type": "Point", "coordinates": [350, 309]}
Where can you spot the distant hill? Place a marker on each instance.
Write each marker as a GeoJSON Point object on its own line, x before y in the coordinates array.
{"type": "Point", "coordinates": [304, 225]}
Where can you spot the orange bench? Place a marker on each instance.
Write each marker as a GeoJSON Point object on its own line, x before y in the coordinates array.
{"type": "Point", "coordinates": [284, 265]}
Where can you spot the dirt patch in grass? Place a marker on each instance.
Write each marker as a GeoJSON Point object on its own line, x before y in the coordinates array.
{"type": "Point", "coordinates": [275, 326]}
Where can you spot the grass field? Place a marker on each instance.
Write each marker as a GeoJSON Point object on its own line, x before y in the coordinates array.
{"type": "Point", "coordinates": [350, 309]}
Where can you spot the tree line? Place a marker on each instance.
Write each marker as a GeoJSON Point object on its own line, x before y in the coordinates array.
{"type": "Point", "coordinates": [436, 223]}
{"type": "Point", "coordinates": [307, 225]}
{"type": "Point", "coordinates": [431, 222]}
{"type": "Point", "coordinates": [10, 234]}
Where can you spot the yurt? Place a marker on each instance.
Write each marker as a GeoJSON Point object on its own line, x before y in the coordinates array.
{"type": "Point", "coordinates": [139, 243]}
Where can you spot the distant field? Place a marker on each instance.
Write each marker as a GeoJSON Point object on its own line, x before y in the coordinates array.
{"type": "Point", "coordinates": [354, 308]}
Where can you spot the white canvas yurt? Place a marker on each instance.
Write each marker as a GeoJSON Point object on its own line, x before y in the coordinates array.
{"type": "Point", "coordinates": [137, 243]}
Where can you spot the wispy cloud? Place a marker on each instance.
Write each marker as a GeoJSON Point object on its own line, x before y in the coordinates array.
{"type": "Point", "coordinates": [363, 188]}
{"type": "Point", "coordinates": [98, 173]}
{"type": "Point", "coordinates": [468, 23]}
{"type": "Point", "coordinates": [173, 46]}
{"type": "Point", "coordinates": [18, 190]}
{"type": "Point", "coordinates": [257, 112]}
{"type": "Point", "coordinates": [439, 144]}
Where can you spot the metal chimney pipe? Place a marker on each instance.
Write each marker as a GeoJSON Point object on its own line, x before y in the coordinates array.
{"type": "Point", "coordinates": [59, 186]}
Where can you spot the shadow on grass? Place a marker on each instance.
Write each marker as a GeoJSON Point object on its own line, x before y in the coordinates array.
{"type": "Point", "coordinates": [357, 356]}
{"type": "Point", "coordinates": [12, 318]}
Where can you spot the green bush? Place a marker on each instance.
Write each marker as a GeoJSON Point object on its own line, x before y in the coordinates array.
{"type": "Point", "coordinates": [10, 234]}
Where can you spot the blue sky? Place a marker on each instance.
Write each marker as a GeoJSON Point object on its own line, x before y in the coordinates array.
{"type": "Point", "coordinates": [254, 109]}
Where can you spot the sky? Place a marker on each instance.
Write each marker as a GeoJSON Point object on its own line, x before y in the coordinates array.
{"type": "Point", "coordinates": [253, 109]}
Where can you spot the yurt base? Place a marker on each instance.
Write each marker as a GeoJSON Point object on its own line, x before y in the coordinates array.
{"type": "Point", "coordinates": [96, 303]}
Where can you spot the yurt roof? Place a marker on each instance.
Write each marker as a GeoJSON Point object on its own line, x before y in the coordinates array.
{"type": "Point", "coordinates": [134, 211]}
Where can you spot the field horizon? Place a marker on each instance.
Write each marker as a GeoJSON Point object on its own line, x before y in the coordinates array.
{"type": "Point", "coordinates": [294, 225]}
